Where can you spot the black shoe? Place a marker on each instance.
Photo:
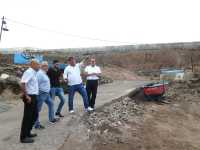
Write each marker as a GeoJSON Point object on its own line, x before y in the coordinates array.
{"type": "Point", "coordinates": [59, 115]}
{"type": "Point", "coordinates": [32, 135]}
{"type": "Point", "coordinates": [40, 127]}
{"type": "Point", "coordinates": [27, 140]}
{"type": "Point", "coordinates": [54, 120]}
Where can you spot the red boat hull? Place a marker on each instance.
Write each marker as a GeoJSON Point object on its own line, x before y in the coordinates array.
{"type": "Point", "coordinates": [154, 90]}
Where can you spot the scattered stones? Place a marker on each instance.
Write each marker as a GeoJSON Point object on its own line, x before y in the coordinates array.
{"type": "Point", "coordinates": [105, 80]}
{"type": "Point", "coordinates": [113, 123]}
{"type": "Point", "coordinates": [185, 91]}
{"type": "Point", "coordinates": [106, 122]}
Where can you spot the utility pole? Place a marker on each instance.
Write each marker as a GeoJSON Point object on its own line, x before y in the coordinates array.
{"type": "Point", "coordinates": [2, 27]}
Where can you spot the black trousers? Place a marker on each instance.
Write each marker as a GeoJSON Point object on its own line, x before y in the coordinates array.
{"type": "Point", "coordinates": [91, 87]}
{"type": "Point", "coordinates": [29, 117]}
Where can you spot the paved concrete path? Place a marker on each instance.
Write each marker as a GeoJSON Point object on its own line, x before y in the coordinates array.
{"type": "Point", "coordinates": [54, 135]}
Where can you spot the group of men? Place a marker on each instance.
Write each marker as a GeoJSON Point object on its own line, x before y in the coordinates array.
{"type": "Point", "coordinates": [41, 83]}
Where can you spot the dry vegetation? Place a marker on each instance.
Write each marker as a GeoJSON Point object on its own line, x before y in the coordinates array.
{"type": "Point", "coordinates": [152, 59]}
{"type": "Point", "coordinates": [137, 60]}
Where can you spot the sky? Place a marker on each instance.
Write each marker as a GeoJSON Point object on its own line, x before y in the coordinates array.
{"type": "Point", "coordinates": [91, 23]}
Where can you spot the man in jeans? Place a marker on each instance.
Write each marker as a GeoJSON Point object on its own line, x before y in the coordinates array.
{"type": "Point", "coordinates": [30, 91]}
{"type": "Point", "coordinates": [72, 75]}
{"type": "Point", "coordinates": [55, 74]}
{"type": "Point", "coordinates": [44, 95]}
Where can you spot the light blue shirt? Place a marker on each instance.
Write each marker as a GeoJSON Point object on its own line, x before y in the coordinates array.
{"type": "Point", "coordinates": [43, 81]}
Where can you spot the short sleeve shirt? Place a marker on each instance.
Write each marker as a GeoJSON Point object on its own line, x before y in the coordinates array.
{"type": "Point", "coordinates": [30, 80]}
{"type": "Point", "coordinates": [73, 74]}
{"type": "Point", "coordinates": [43, 81]}
{"type": "Point", "coordinates": [92, 69]}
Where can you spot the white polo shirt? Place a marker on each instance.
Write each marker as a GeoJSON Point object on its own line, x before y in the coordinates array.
{"type": "Point", "coordinates": [73, 74]}
{"type": "Point", "coordinates": [30, 80]}
{"type": "Point", "coordinates": [92, 69]}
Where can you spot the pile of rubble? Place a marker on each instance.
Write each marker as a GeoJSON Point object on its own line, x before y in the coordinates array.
{"type": "Point", "coordinates": [105, 122]}
{"type": "Point", "coordinates": [132, 122]}
{"type": "Point", "coordinates": [11, 82]}
{"type": "Point", "coordinates": [11, 69]}
{"type": "Point", "coordinates": [184, 91]}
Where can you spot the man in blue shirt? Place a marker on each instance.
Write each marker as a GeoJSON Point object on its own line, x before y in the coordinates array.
{"type": "Point", "coordinates": [44, 94]}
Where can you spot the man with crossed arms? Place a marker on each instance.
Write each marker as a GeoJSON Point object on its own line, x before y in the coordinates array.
{"type": "Point", "coordinates": [92, 73]}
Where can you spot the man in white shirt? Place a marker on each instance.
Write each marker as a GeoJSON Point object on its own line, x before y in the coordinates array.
{"type": "Point", "coordinates": [72, 75]}
{"type": "Point", "coordinates": [30, 90]}
{"type": "Point", "coordinates": [44, 95]}
{"type": "Point", "coordinates": [93, 73]}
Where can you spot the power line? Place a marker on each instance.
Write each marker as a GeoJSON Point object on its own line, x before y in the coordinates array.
{"type": "Point", "coordinates": [67, 34]}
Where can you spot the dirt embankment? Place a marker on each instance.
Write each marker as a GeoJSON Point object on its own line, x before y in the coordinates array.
{"type": "Point", "coordinates": [9, 82]}
{"type": "Point", "coordinates": [119, 73]}
{"type": "Point", "coordinates": [144, 62]}
{"type": "Point", "coordinates": [132, 123]}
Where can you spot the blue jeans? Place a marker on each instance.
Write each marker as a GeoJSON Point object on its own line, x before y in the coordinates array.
{"type": "Point", "coordinates": [77, 88]}
{"type": "Point", "coordinates": [56, 91]}
{"type": "Point", "coordinates": [41, 98]}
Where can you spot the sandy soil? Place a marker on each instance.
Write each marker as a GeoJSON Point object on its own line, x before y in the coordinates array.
{"type": "Point", "coordinates": [119, 73]}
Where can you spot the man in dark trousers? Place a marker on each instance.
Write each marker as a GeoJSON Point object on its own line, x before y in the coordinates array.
{"type": "Point", "coordinates": [55, 75]}
{"type": "Point", "coordinates": [30, 90]}
{"type": "Point", "coordinates": [93, 73]}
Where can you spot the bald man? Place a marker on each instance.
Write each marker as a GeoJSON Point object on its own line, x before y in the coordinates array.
{"type": "Point", "coordinates": [30, 90]}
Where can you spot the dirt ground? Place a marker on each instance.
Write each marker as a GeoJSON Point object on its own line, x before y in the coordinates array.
{"type": "Point", "coordinates": [70, 128]}
{"type": "Point", "coordinates": [135, 124]}
{"type": "Point", "coordinates": [119, 73]}
{"type": "Point", "coordinates": [128, 122]}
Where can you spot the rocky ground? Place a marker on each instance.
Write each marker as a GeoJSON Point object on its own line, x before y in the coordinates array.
{"type": "Point", "coordinates": [69, 129]}
{"type": "Point", "coordinates": [131, 123]}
